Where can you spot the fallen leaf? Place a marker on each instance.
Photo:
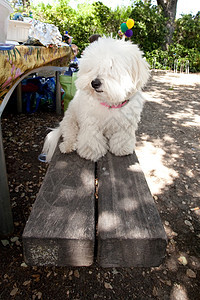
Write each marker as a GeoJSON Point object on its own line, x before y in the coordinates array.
{"type": "Point", "coordinates": [37, 277]}
{"type": "Point", "coordinates": [26, 282]}
{"type": "Point", "coordinates": [39, 295]}
{"type": "Point", "coordinates": [14, 239]}
{"type": "Point", "coordinates": [188, 223]}
{"type": "Point", "coordinates": [155, 292]}
{"type": "Point", "coordinates": [5, 242]}
{"type": "Point", "coordinates": [49, 274]}
{"type": "Point", "coordinates": [14, 292]}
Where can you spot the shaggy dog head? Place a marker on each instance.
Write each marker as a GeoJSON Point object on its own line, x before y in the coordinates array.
{"type": "Point", "coordinates": [112, 70]}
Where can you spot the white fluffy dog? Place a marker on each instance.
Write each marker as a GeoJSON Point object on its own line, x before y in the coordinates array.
{"type": "Point", "coordinates": [106, 108]}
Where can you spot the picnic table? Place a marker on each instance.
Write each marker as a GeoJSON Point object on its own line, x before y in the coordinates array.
{"type": "Point", "coordinates": [16, 64]}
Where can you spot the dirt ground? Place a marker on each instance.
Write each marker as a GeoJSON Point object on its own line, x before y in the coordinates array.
{"type": "Point", "coordinates": [169, 153]}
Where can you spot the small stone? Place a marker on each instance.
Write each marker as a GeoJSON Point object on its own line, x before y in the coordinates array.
{"type": "Point", "coordinates": [18, 243]}
{"type": "Point", "coordinates": [76, 274]}
{"type": "Point", "coordinates": [108, 285]}
{"type": "Point", "coordinates": [24, 265]}
{"type": "Point", "coordinates": [166, 223]}
{"type": "Point", "coordinates": [190, 273]}
{"type": "Point", "coordinates": [182, 260]}
{"type": "Point", "coordinates": [168, 282]}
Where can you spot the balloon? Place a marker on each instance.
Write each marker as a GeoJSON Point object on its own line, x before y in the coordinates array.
{"type": "Point", "coordinates": [120, 33]}
{"type": "Point", "coordinates": [124, 27]}
{"type": "Point", "coordinates": [129, 33]}
{"type": "Point", "coordinates": [130, 23]}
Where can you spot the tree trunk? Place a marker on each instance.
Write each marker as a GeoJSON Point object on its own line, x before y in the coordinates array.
{"type": "Point", "coordinates": [169, 9]}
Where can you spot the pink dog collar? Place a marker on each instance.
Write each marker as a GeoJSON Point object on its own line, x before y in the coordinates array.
{"type": "Point", "coordinates": [114, 106]}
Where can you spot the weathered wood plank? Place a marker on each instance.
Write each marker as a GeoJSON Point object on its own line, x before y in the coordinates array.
{"type": "Point", "coordinates": [130, 232]}
{"type": "Point", "coordinates": [61, 228]}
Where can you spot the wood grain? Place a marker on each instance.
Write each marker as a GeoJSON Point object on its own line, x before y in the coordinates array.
{"type": "Point", "coordinates": [130, 232]}
{"type": "Point", "coordinates": [61, 228]}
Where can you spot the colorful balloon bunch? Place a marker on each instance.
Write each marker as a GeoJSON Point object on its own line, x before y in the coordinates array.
{"type": "Point", "coordinates": [126, 28]}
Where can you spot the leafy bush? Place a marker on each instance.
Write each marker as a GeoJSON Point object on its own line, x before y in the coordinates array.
{"type": "Point", "coordinates": [187, 31]}
{"type": "Point", "coordinates": [159, 59]}
{"type": "Point", "coordinates": [149, 30]}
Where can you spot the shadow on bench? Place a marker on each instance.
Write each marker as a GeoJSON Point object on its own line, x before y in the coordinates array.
{"type": "Point", "coordinates": [69, 226]}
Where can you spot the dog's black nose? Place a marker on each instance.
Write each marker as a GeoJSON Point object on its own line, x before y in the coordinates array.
{"type": "Point", "coordinates": [96, 83]}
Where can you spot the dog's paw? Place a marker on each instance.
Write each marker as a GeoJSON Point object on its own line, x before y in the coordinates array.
{"type": "Point", "coordinates": [121, 145]}
{"type": "Point", "coordinates": [65, 148]}
{"type": "Point", "coordinates": [92, 150]}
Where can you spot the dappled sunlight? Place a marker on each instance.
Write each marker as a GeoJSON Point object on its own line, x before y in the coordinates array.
{"type": "Point", "coordinates": [86, 176]}
{"type": "Point", "coordinates": [127, 204]}
{"type": "Point", "coordinates": [108, 221]}
{"type": "Point", "coordinates": [154, 96]}
{"type": "Point", "coordinates": [60, 165]}
{"type": "Point", "coordinates": [194, 122]}
{"type": "Point", "coordinates": [168, 131]}
{"type": "Point", "coordinates": [178, 78]}
{"type": "Point", "coordinates": [152, 161]}
{"type": "Point", "coordinates": [188, 117]}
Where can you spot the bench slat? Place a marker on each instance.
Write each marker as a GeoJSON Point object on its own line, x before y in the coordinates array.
{"type": "Point", "coordinates": [61, 228]}
{"type": "Point", "coordinates": [130, 232]}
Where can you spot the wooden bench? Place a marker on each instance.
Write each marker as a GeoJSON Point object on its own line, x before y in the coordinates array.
{"type": "Point", "coordinates": [71, 226]}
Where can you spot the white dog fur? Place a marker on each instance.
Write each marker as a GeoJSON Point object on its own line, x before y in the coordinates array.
{"type": "Point", "coordinates": [106, 108]}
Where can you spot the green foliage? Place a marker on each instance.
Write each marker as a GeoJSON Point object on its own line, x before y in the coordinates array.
{"type": "Point", "coordinates": [187, 31]}
{"type": "Point", "coordinates": [96, 18]}
{"type": "Point", "coordinates": [58, 14]}
{"type": "Point", "coordinates": [159, 59]}
{"type": "Point", "coordinates": [186, 46]}
{"type": "Point", "coordinates": [149, 30]}
{"type": "Point", "coordinates": [85, 21]}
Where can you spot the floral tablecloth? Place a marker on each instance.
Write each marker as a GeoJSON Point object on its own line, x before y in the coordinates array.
{"type": "Point", "coordinates": [22, 59]}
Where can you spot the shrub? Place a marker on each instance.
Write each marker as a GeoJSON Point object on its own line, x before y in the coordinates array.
{"type": "Point", "coordinates": [160, 59]}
